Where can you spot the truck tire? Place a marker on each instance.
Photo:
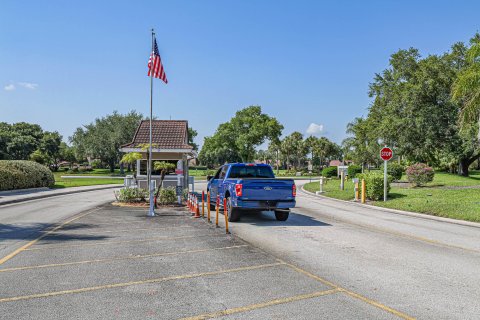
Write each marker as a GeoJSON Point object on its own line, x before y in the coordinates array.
{"type": "Point", "coordinates": [282, 215]}
{"type": "Point", "coordinates": [233, 213]}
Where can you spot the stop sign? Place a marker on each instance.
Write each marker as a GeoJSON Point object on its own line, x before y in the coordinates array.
{"type": "Point", "coordinates": [386, 153]}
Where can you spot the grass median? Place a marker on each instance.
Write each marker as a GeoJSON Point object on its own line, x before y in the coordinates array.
{"type": "Point", "coordinates": [447, 195]}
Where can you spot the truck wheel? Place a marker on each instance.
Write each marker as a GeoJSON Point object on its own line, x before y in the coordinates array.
{"type": "Point", "coordinates": [233, 213]}
{"type": "Point", "coordinates": [281, 215]}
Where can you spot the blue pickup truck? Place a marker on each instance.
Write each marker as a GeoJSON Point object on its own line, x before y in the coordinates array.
{"type": "Point", "coordinates": [250, 186]}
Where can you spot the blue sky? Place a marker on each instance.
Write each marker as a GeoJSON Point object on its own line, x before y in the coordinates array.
{"type": "Point", "coordinates": [62, 64]}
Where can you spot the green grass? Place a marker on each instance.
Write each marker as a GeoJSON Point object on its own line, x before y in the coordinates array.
{"type": "Point", "coordinates": [95, 172]}
{"type": "Point", "coordinates": [443, 197]}
{"type": "Point", "coordinates": [78, 182]}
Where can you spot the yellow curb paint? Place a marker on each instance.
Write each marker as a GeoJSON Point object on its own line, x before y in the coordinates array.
{"type": "Point", "coordinates": [262, 305]}
{"type": "Point", "coordinates": [26, 246]}
{"type": "Point", "coordinates": [132, 283]}
{"type": "Point", "coordinates": [119, 258]}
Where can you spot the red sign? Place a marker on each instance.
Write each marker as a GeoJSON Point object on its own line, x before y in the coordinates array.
{"type": "Point", "coordinates": [386, 153]}
{"type": "Point", "coordinates": [178, 171]}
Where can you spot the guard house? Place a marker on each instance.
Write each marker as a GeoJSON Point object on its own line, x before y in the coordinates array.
{"type": "Point", "coordinates": [169, 144]}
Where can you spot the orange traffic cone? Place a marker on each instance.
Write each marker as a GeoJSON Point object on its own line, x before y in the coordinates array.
{"type": "Point", "coordinates": [197, 211]}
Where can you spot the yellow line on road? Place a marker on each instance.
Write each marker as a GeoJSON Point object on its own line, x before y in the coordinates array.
{"type": "Point", "coordinates": [105, 243]}
{"type": "Point", "coordinates": [132, 283]}
{"type": "Point", "coordinates": [119, 258]}
{"type": "Point", "coordinates": [350, 293]}
{"type": "Point", "coordinates": [262, 305]}
{"type": "Point", "coordinates": [46, 233]}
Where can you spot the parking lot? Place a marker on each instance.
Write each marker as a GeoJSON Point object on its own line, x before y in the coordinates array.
{"type": "Point", "coordinates": [114, 262]}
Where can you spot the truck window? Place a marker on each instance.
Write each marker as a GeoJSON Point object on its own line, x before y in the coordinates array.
{"type": "Point", "coordinates": [217, 175]}
{"type": "Point", "coordinates": [223, 172]}
{"type": "Point", "coordinates": [241, 172]}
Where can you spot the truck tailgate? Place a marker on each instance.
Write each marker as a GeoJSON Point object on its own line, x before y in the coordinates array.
{"type": "Point", "coordinates": [267, 189]}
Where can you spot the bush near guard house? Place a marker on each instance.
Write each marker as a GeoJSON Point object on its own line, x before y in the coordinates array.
{"type": "Point", "coordinates": [394, 169]}
{"type": "Point", "coordinates": [167, 196]}
{"type": "Point", "coordinates": [374, 184]}
{"type": "Point", "coordinates": [23, 174]}
{"type": "Point", "coordinates": [329, 172]}
{"type": "Point", "coordinates": [353, 171]}
{"type": "Point", "coordinates": [419, 174]}
{"type": "Point", "coordinates": [131, 195]}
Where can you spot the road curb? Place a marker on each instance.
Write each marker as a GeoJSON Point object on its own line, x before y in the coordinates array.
{"type": "Point", "coordinates": [43, 196]}
{"type": "Point", "coordinates": [400, 212]}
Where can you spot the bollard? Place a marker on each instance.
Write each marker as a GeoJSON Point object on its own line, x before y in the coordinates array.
{"type": "Point", "coordinates": [208, 207]}
{"type": "Point", "coordinates": [217, 205]}
{"type": "Point", "coordinates": [356, 192]}
{"type": "Point", "coordinates": [203, 204]}
{"type": "Point", "coordinates": [364, 191]}
{"type": "Point", "coordinates": [225, 213]}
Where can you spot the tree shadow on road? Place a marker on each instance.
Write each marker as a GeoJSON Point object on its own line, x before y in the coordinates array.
{"type": "Point", "coordinates": [33, 231]}
{"type": "Point", "coordinates": [267, 218]}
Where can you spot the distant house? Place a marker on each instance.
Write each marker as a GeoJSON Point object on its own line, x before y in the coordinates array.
{"type": "Point", "coordinates": [336, 163]}
{"type": "Point", "coordinates": [169, 143]}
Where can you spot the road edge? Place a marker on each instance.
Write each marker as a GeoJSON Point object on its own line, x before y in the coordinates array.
{"type": "Point", "coordinates": [400, 212]}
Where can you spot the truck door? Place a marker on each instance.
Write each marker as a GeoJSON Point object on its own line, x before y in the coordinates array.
{"type": "Point", "coordinates": [214, 186]}
{"type": "Point", "coordinates": [221, 184]}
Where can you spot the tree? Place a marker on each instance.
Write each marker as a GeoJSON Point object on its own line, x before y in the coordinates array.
{"type": "Point", "coordinates": [50, 147]}
{"type": "Point", "coordinates": [191, 136]}
{"type": "Point", "coordinates": [466, 88]}
{"type": "Point", "coordinates": [164, 167]}
{"type": "Point", "coordinates": [237, 139]}
{"type": "Point", "coordinates": [295, 148]}
{"type": "Point", "coordinates": [102, 138]}
{"type": "Point", "coordinates": [413, 111]}
{"type": "Point", "coordinates": [131, 159]}
{"type": "Point", "coordinates": [250, 128]}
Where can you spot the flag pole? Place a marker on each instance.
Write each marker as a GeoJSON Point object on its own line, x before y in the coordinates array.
{"type": "Point", "coordinates": [151, 210]}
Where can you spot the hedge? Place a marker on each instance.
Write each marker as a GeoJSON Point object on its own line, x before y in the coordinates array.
{"type": "Point", "coordinates": [394, 169]}
{"type": "Point", "coordinates": [23, 174]}
{"type": "Point", "coordinates": [374, 184]}
{"type": "Point", "coordinates": [329, 172]}
{"type": "Point", "coordinates": [353, 170]}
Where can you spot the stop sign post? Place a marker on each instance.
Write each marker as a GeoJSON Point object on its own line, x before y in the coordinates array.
{"type": "Point", "coordinates": [386, 154]}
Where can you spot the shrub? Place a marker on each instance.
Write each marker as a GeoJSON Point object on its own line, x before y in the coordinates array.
{"type": "Point", "coordinates": [395, 170]}
{"type": "Point", "coordinates": [131, 195]}
{"type": "Point", "coordinates": [167, 196]}
{"type": "Point", "coordinates": [353, 170]}
{"type": "Point", "coordinates": [197, 168]}
{"type": "Point", "coordinates": [419, 174]}
{"type": "Point", "coordinates": [374, 184]}
{"type": "Point", "coordinates": [329, 172]}
{"type": "Point", "coordinates": [23, 174]}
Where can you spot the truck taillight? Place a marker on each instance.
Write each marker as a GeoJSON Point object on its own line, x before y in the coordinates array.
{"type": "Point", "coordinates": [239, 189]}
{"type": "Point", "coordinates": [294, 190]}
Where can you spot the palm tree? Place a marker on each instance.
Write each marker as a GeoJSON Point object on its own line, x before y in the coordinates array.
{"type": "Point", "coordinates": [131, 158]}
{"type": "Point", "coordinates": [466, 88]}
{"type": "Point", "coordinates": [163, 167]}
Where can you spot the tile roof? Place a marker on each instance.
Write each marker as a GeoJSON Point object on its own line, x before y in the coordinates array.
{"type": "Point", "coordinates": [166, 134]}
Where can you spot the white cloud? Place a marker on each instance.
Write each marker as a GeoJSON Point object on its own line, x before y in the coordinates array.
{"type": "Point", "coordinates": [28, 85]}
{"type": "Point", "coordinates": [9, 87]}
{"type": "Point", "coordinates": [315, 129]}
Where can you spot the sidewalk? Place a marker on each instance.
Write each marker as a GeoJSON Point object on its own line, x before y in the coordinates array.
{"type": "Point", "coordinates": [14, 196]}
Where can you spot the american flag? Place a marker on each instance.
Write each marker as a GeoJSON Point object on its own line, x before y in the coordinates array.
{"type": "Point", "coordinates": [156, 61]}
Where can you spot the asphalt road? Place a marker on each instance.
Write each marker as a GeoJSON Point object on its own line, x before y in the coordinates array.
{"type": "Point", "coordinates": [330, 260]}
{"type": "Point", "coordinates": [427, 269]}
{"type": "Point", "coordinates": [23, 221]}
